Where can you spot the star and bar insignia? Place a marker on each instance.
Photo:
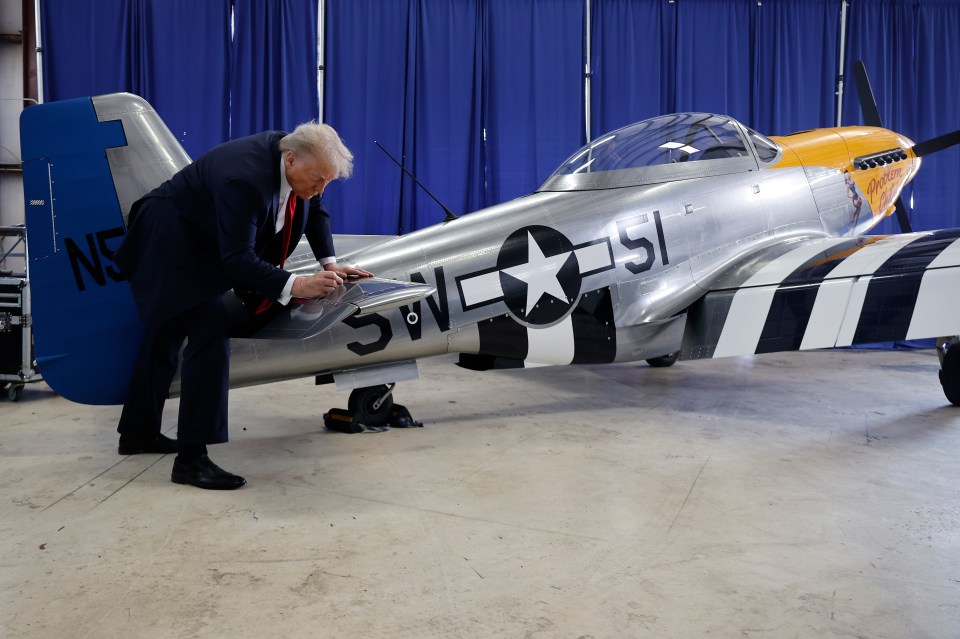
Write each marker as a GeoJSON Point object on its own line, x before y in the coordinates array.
{"type": "Point", "coordinates": [538, 275]}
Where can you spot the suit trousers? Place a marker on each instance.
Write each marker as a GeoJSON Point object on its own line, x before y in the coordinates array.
{"type": "Point", "coordinates": [204, 377]}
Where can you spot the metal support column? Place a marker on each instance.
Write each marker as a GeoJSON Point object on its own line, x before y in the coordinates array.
{"type": "Point", "coordinates": [843, 46]}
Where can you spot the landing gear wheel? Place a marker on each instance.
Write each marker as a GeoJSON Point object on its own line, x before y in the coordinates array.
{"type": "Point", "coordinates": [950, 374]}
{"type": "Point", "coordinates": [664, 360]}
{"type": "Point", "coordinates": [370, 409]}
{"type": "Point", "coordinates": [371, 405]}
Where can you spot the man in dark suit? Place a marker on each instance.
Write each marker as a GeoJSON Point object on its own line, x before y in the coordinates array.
{"type": "Point", "coordinates": [228, 220]}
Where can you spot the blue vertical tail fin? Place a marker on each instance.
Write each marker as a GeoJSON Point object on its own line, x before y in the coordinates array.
{"type": "Point", "coordinates": [85, 161]}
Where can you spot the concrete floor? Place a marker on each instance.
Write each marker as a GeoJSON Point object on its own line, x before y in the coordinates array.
{"type": "Point", "coordinates": [795, 495]}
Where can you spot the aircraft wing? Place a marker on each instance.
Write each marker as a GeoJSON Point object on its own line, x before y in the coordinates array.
{"type": "Point", "coordinates": [371, 295]}
{"type": "Point", "coordinates": [828, 292]}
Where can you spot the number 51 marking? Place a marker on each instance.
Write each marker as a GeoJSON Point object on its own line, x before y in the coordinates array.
{"type": "Point", "coordinates": [642, 242]}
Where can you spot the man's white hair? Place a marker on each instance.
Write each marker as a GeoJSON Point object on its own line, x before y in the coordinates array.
{"type": "Point", "coordinates": [322, 142]}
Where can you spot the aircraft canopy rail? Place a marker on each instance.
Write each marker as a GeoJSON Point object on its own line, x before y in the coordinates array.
{"type": "Point", "coordinates": [666, 148]}
{"type": "Point", "coordinates": [768, 151]}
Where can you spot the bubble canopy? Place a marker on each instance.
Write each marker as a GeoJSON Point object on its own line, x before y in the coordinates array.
{"type": "Point", "coordinates": [678, 146]}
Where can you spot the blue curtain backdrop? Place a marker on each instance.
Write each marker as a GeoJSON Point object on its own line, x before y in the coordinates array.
{"type": "Point", "coordinates": [533, 91]}
{"type": "Point", "coordinates": [772, 65]}
{"type": "Point", "coordinates": [443, 113]}
{"type": "Point", "coordinates": [199, 67]}
{"type": "Point", "coordinates": [483, 98]}
{"type": "Point", "coordinates": [87, 52]}
{"type": "Point", "coordinates": [179, 54]}
{"type": "Point", "coordinates": [480, 100]}
{"type": "Point", "coordinates": [406, 75]}
{"type": "Point", "coordinates": [936, 107]}
{"type": "Point", "coordinates": [274, 65]}
{"type": "Point", "coordinates": [631, 62]}
{"type": "Point", "coordinates": [713, 67]}
{"type": "Point", "coordinates": [365, 86]}
{"type": "Point", "coordinates": [104, 46]}
{"type": "Point", "coordinates": [796, 54]}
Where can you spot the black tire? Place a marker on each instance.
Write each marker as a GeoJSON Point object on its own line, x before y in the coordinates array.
{"type": "Point", "coordinates": [664, 361]}
{"type": "Point", "coordinates": [361, 404]}
{"type": "Point", "coordinates": [14, 392]}
{"type": "Point", "coordinates": [950, 374]}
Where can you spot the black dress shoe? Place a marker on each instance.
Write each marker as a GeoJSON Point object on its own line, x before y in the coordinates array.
{"type": "Point", "coordinates": [158, 444]}
{"type": "Point", "coordinates": [203, 473]}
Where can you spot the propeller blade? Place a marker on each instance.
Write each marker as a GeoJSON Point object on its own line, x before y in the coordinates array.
{"type": "Point", "coordinates": [938, 143]}
{"type": "Point", "coordinates": [868, 104]}
{"type": "Point", "coordinates": [902, 218]}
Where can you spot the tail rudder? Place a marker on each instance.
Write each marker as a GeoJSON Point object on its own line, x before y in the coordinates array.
{"type": "Point", "coordinates": [85, 161]}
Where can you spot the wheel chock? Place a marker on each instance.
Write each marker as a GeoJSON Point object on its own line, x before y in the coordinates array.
{"type": "Point", "coordinates": [343, 421]}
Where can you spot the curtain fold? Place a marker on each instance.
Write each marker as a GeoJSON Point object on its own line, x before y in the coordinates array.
{"type": "Point", "coordinates": [631, 62]}
{"type": "Point", "coordinates": [187, 85]}
{"type": "Point", "coordinates": [441, 141]}
{"type": "Point", "coordinates": [364, 93]}
{"type": "Point", "coordinates": [713, 66]}
{"type": "Point", "coordinates": [87, 52]}
{"type": "Point", "coordinates": [274, 67]}
{"type": "Point", "coordinates": [480, 100]}
{"type": "Point", "coordinates": [533, 91]}
{"type": "Point", "coordinates": [771, 65]}
{"type": "Point", "coordinates": [796, 54]}
{"type": "Point", "coordinates": [92, 47]}
{"type": "Point", "coordinates": [936, 99]}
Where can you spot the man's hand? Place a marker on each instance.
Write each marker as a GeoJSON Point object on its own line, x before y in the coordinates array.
{"type": "Point", "coordinates": [320, 284]}
{"type": "Point", "coordinates": [346, 272]}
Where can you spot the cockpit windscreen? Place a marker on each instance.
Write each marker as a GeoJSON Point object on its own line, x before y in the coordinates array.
{"type": "Point", "coordinates": [670, 139]}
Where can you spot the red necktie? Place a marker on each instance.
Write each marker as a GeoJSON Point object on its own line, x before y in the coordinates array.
{"type": "Point", "coordinates": [287, 230]}
{"type": "Point", "coordinates": [288, 226]}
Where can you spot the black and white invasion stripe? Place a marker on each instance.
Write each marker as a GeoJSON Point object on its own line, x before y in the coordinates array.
{"type": "Point", "coordinates": [835, 292]}
{"type": "Point", "coordinates": [586, 336]}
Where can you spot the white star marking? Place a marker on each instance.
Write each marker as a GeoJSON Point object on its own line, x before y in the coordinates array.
{"type": "Point", "coordinates": [539, 273]}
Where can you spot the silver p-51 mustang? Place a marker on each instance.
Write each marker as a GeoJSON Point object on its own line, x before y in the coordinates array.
{"type": "Point", "coordinates": [684, 236]}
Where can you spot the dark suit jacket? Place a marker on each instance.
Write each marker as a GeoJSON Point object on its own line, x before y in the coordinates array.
{"type": "Point", "coordinates": [209, 227]}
